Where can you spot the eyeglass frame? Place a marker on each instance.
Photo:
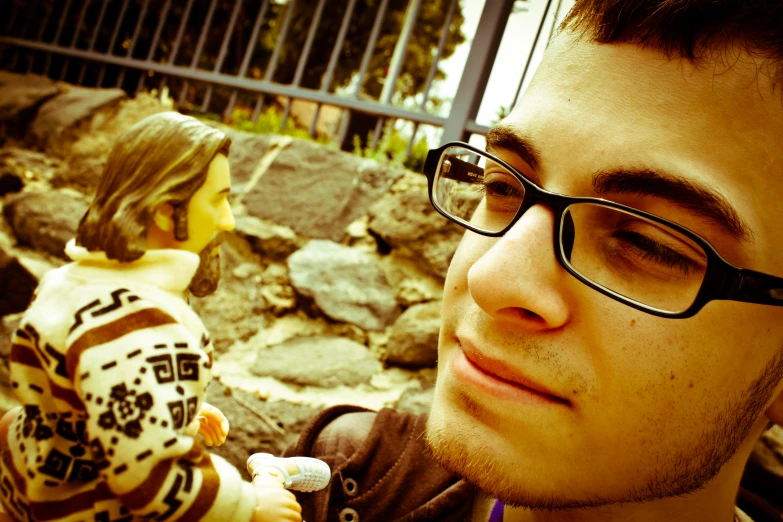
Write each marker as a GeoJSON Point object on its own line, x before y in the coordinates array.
{"type": "Point", "coordinates": [722, 280]}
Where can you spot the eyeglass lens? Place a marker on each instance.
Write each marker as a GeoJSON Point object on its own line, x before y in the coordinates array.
{"type": "Point", "coordinates": [623, 252]}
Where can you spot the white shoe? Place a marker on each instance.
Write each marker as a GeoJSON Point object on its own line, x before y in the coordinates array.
{"type": "Point", "coordinates": [313, 475]}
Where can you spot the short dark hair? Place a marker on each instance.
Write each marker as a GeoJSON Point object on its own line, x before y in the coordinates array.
{"type": "Point", "coordinates": [164, 158]}
{"type": "Point", "coordinates": [697, 30]}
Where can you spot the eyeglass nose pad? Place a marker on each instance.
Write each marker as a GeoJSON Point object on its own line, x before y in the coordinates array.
{"type": "Point", "coordinates": [567, 235]}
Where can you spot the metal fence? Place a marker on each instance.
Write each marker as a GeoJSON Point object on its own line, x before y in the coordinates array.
{"type": "Point", "coordinates": [76, 41]}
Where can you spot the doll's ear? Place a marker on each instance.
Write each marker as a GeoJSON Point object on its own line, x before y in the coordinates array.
{"type": "Point", "coordinates": [163, 217]}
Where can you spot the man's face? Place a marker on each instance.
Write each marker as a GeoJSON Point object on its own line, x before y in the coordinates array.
{"type": "Point", "coordinates": [646, 407]}
{"type": "Point", "coordinates": [209, 215]}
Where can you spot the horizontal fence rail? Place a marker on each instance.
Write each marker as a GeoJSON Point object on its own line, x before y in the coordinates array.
{"type": "Point", "coordinates": [216, 56]}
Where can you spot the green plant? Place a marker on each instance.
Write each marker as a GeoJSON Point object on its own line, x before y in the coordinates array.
{"type": "Point", "coordinates": [391, 147]}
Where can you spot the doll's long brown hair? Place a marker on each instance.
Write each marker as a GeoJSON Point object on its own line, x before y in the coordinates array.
{"type": "Point", "coordinates": [162, 159]}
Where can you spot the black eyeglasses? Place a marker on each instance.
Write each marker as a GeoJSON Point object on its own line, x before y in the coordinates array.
{"type": "Point", "coordinates": [642, 260]}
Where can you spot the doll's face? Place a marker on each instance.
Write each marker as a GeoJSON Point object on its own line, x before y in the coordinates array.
{"type": "Point", "coordinates": [209, 212]}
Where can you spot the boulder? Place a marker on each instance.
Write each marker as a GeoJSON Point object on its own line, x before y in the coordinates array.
{"type": "Point", "coordinates": [764, 471]}
{"type": "Point", "coordinates": [17, 285]}
{"type": "Point", "coordinates": [44, 221]}
{"type": "Point", "coordinates": [235, 312]}
{"type": "Point", "coordinates": [321, 361]}
{"type": "Point", "coordinates": [413, 341]}
{"type": "Point", "coordinates": [23, 92]}
{"type": "Point", "coordinates": [8, 325]}
{"type": "Point", "coordinates": [407, 220]}
{"type": "Point", "coordinates": [316, 190]}
{"type": "Point", "coordinates": [87, 146]}
{"type": "Point", "coordinates": [249, 419]}
{"type": "Point", "coordinates": [246, 152]}
{"type": "Point", "coordinates": [18, 167]}
{"type": "Point", "coordinates": [343, 283]}
{"type": "Point", "coordinates": [59, 118]}
{"type": "Point", "coordinates": [415, 400]}
{"type": "Point", "coordinates": [272, 242]}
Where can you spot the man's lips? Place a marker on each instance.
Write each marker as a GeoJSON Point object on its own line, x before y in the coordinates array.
{"type": "Point", "coordinates": [499, 370]}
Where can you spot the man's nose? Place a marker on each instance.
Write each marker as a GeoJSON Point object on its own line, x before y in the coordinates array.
{"type": "Point", "coordinates": [519, 278]}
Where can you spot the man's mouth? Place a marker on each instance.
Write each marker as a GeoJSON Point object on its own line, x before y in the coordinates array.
{"type": "Point", "coordinates": [497, 378]}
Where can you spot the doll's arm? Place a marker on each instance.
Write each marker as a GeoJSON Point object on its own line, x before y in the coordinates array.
{"type": "Point", "coordinates": [140, 390]}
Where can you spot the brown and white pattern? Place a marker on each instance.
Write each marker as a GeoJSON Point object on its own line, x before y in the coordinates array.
{"type": "Point", "coordinates": [110, 376]}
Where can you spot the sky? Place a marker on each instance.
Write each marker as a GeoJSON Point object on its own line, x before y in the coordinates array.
{"type": "Point", "coordinates": [514, 49]}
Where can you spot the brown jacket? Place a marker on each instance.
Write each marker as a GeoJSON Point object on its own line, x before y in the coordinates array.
{"type": "Point", "coordinates": [380, 470]}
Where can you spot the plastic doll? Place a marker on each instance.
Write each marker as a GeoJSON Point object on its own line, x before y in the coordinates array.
{"type": "Point", "coordinates": [111, 364]}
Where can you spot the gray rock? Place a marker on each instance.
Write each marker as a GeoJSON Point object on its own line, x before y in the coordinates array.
{"type": "Point", "coordinates": [249, 433]}
{"type": "Point", "coordinates": [413, 340]}
{"type": "Point", "coordinates": [246, 151]}
{"type": "Point", "coordinates": [345, 284]}
{"type": "Point", "coordinates": [22, 92]}
{"type": "Point", "coordinates": [273, 242]}
{"type": "Point", "coordinates": [59, 117]}
{"type": "Point", "coordinates": [44, 221]}
{"type": "Point", "coordinates": [318, 191]}
{"type": "Point", "coordinates": [8, 326]}
{"type": "Point", "coordinates": [17, 285]}
{"type": "Point", "coordinates": [416, 401]}
{"type": "Point", "coordinates": [27, 166]}
{"type": "Point", "coordinates": [235, 312]}
{"type": "Point", "coordinates": [407, 220]}
{"type": "Point", "coordinates": [764, 471]}
{"type": "Point", "coordinates": [318, 361]}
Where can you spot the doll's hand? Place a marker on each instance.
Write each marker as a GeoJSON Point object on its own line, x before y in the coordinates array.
{"type": "Point", "coordinates": [274, 504]}
{"type": "Point", "coordinates": [211, 424]}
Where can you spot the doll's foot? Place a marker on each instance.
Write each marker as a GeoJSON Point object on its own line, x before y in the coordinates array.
{"type": "Point", "coordinates": [297, 473]}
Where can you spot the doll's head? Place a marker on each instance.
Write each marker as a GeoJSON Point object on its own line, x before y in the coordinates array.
{"type": "Point", "coordinates": [155, 169]}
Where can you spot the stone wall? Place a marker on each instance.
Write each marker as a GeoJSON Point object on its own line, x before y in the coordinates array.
{"type": "Point", "coordinates": [332, 279]}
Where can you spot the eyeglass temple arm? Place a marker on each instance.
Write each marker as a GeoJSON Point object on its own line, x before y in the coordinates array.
{"type": "Point", "coordinates": [755, 287]}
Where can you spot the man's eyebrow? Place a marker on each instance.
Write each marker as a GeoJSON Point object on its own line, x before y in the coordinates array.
{"type": "Point", "coordinates": [684, 193]}
{"type": "Point", "coordinates": [226, 190]}
{"type": "Point", "coordinates": [508, 138]}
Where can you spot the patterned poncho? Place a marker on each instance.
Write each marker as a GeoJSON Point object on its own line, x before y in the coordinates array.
{"type": "Point", "coordinates": [111, 364]}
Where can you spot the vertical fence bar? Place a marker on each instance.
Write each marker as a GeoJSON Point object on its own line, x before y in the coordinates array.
{"type": "Point", "coordinates": [223, 50]}
{"type": "Point", "coordinates": [431, 74]}
{"type": "Point", "coordinates": [270, 70]}
{"type": "Point", "coordinates": [478, 67]}
{"type": "Point", "coordinates": [376, 135]}
{"type": "Point", "coordinates": [76, 32]}
{"type": "Point", "coordinates": [94, 38]}
{"type": "Point", "coordinates": [444, 35]}
{"type": "Point", "coordinates": [202, 37]}
{"type": "Point", "coordinates": [395, 67]}
{"type": "Point", "coordinates": [257, 109]}
{"type": "Point", "coordinates": [251, 47]}
{"type": "Point", "coordinates": [11, 19]}
{"type": "Point", "coordinates": [376, 30]}
{"type": "Point", "coordinates": [338, 45]}
{"type": "Point", "coordinates": [113, 39]}
{"type": "Point", "coordinates": [57, 35]}
{"type": "Point", "coordinates": [183, 23]}
{"type": "Point", "coordinates": [532, 52]}
{"type": "Point", "coordinates": [151, 54]}
{"type": "Point", "coordinates": [39, 37]}
{"type": "Point", "coordinates": [300, 67]}
{"type": "Point", "coordinates": [134, 39]}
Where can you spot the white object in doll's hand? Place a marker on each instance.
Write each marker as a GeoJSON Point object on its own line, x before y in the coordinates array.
{"type": "Point", "coordinates": [298, 473]}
